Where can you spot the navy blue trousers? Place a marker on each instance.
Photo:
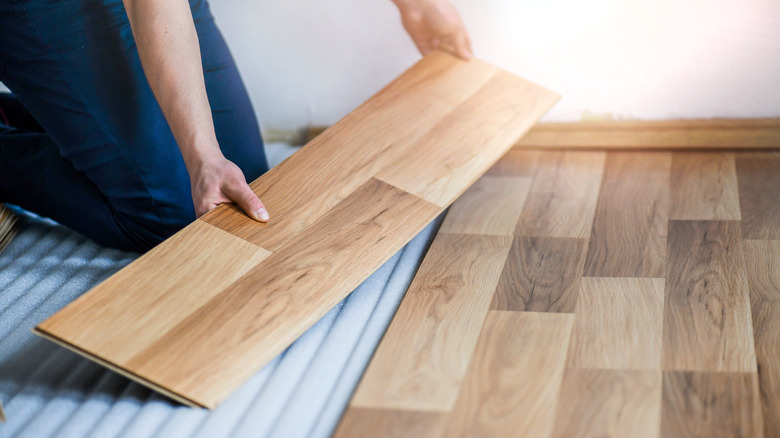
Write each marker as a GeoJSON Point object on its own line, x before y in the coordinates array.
{"type": "Point", "coordinates": [83, 140]}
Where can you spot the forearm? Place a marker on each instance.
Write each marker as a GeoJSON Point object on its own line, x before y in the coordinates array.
{"type": "Point", "coordinates": [168, 46]}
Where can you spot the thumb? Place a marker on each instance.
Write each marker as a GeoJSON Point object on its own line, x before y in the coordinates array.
{"type": "Point", "coordinates": [242, 195]}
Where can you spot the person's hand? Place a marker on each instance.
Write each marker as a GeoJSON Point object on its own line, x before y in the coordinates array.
{"type": "Point", "coordinates": [219, 181]}
{"type": "Point", "coordinates": [435, 24]}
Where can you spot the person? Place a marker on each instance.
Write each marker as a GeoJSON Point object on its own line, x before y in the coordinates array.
{"type": "Point", "coordinates": [129, 119]}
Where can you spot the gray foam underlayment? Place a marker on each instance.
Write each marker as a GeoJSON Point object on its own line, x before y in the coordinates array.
{"type": "Point", "coordinates": [48, 391]}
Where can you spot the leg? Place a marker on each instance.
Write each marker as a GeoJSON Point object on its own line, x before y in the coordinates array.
{"type": "Point", "coordinates": [73, 64]}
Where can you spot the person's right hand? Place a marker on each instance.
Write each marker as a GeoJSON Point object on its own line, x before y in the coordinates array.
{"type": "Point", "coordinates": [219, 181]}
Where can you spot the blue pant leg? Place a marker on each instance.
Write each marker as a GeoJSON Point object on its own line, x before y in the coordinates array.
{"type": "Point", "coordinates": [74, 65]}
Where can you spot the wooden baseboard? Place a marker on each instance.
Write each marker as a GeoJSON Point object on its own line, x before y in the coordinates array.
{"type": "Point", "coordinates": [663, 134]}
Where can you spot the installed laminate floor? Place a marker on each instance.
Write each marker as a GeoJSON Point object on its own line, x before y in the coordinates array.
{"type": "Point", "coordinates": [591, 294]}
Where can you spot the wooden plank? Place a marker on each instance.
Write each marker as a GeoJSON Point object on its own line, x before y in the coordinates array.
{"type": "Point", "coordinates": [707, 324]}
{"type": "Point", "coordinates": [628, 238]}
{"type": "Point", "coordinates": [618, 324]}
{"type": "Point", "coordinates": [457, 159]}
{"type": "Point", "coordinates": [661, 134]}
{"type": "Point", "coordinates": [710, 405]}
{"type": "Point", "coordinates": [541, 274]}
{"type": "Point", "coordinates": [516, 163]}
{"type": "Point", "coordinates": [704, 187]}
{"type": "Point", "coordinates": [390, 423]}
{"type": "Point", "coordinates": [609, 403]}
{"type": "Point", "coordinates": [425, 353]}
{"type": "Point", "coordinates": [512, 385]}
{"type": "Point", "coordinates": [491, 206]}
{"type": "Point", "coordinates": [759, 195]}
{"type": "Point", "coordinates": [334, 221]}
{"type": "Point", "coordinates": [563, 196]}
{"type": "Point", "coordinates": [360, 145]}
{"type": "Point", "coordinates": [762, 259]}
{"type": "Point", "coordinates": [766, 326]}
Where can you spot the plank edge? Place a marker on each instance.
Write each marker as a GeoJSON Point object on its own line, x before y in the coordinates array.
{"type": "Point", "coordinates": [117, 369]}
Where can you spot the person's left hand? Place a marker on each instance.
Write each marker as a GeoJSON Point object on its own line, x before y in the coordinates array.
{"type": "Point", "coordinates": [435, 24]}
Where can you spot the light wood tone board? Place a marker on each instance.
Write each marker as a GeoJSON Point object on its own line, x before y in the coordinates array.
{"type": "Point", "coordinates": [421, 363]}
{"type": "Point", "coordinates": [205, 310]}
{"type": "Point", "coordinates": [563, 196]}
{"type": "Point", "coordinates": [628, 238]}
{"type": "Point", "coordinates": [517, 367]}
{"type": "Point", "coordinates": [662, 134]}
{"type": "Point", "coordinates": [707, 322]}
{"type": "Point", "coordinates": [674, 324]}
{"type": "Point", "coordinates": [704, 187]}
{"type": "Point", "coordinates": [609, 403]}
{"type": "Point", "coordinates": [619, 324]}
{"type": "Point", "coordinates": [710, 405]}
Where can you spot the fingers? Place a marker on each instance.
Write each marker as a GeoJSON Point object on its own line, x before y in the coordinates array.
{"type": "Point", "coordinates": [463, 46]}
{"type": "Point", "coordinates": [242, 195]}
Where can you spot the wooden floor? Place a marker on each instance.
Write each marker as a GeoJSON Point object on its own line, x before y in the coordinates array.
{"type": "Point", "coordinates": [201, 313]}
{"type": "Point", "coordinates": [591, 294]}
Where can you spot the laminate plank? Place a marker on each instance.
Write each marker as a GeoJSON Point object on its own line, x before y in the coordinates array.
{"type": "Point", "coordinates": [269, 307]}
{"type": "Point", "coordinates": [762, 259]}
{"type": "Point", "coordinates": [333, 223]}
{"type": "Point", "coordinates": [512, 385]}
{"type": "Point", "coordinates": [609, 403]}
{"type": "Point", "coordinates": [516, 163]}
{"type": "Point", "coordinates": [562, 201]}
{"type": "Point", "coordinates": [541, 274]}
{"type": "Point", "coordinates": [766, 326]}
{"type": "Point", "coordinates": [491, 206]}
{"type": "Point", "coordinates": [662, 134]}
{"type": "Point", "coordinates": [759, 195]}
{"type": "Point", "coordinates": [707, 324]}
{"type": "Point", "coordinates": [628, 238]}
{"type": "Point", "coordinates": [154, 304]}
{"type": "Point", "coordinates": [390, 423]}
{"type": "Point", "coordinates": [618, 324]}
{"type": "Point", "coordinates": [468, 141]}
{"type": "Point", "coordinates": [353, 150]}
{"type": "Point", "coordinates": [710, 405]}
{"type": "Point", "coordinates": [704, 187]}
{"type": "Point", "coordinates": [422, 360]}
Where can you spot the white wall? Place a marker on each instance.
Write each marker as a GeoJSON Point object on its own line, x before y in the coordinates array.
{"type": "Point", "coordinates": [312, 61]}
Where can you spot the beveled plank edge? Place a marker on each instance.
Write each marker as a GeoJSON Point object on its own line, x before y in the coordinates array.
{"type": "Point", "coordinates": [119, 370]}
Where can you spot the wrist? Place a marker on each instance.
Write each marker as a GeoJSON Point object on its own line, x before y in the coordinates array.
{"type": "Point", "coordinates": [198, 155]}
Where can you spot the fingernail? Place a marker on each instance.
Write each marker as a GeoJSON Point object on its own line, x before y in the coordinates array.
{"type": "Point", "coordinates": [262, 214]}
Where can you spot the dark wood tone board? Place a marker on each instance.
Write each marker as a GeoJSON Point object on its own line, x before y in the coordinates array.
{"type": "Point", "coordinates": [201, 313]}
{"type": "Point", "coordinates": [636, 295]}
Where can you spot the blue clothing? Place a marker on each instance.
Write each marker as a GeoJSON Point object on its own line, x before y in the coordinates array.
{"type": "Point", "coordinates": [85, 142]}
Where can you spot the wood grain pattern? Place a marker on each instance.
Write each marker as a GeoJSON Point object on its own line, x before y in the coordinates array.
{"type": "Point", "coordinates": [563, 196]}
{"type": "Point", "coordinates": [609, 403]}
{"type": "Point", "coordinates": [710, 405]}
{"type": "Point", "coordinates": [759, 197]}
{"type": "Point", "coordinates": [675, 326]}
{"type": "Point", "coordinates": [424, 355]}
{"type": "Point", "coordinates": [628, 238]}
{"type": "Point", "coordinates": [662, 134]}
{"type": "Point", "coordinates": [512, 385]}
{"type": "Point", "coordinates": [704, 187]}
{"type": "Point", "coordinates": [618, 324]}
{"type": "Point", "coordinates": [707, 311]}
{"type": "Point", "coordinates": [509, 101]}
{"type": "Point", "coordinates": [390, 423]}
{"type": "Point", "coordinates": [208, 317]}
{"type": "Point", "coordinates": [766, 326]}
{"type": "Point", "coordinates": [541, 274]}
{"type": "Point", "coordinates": [491, 206]}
